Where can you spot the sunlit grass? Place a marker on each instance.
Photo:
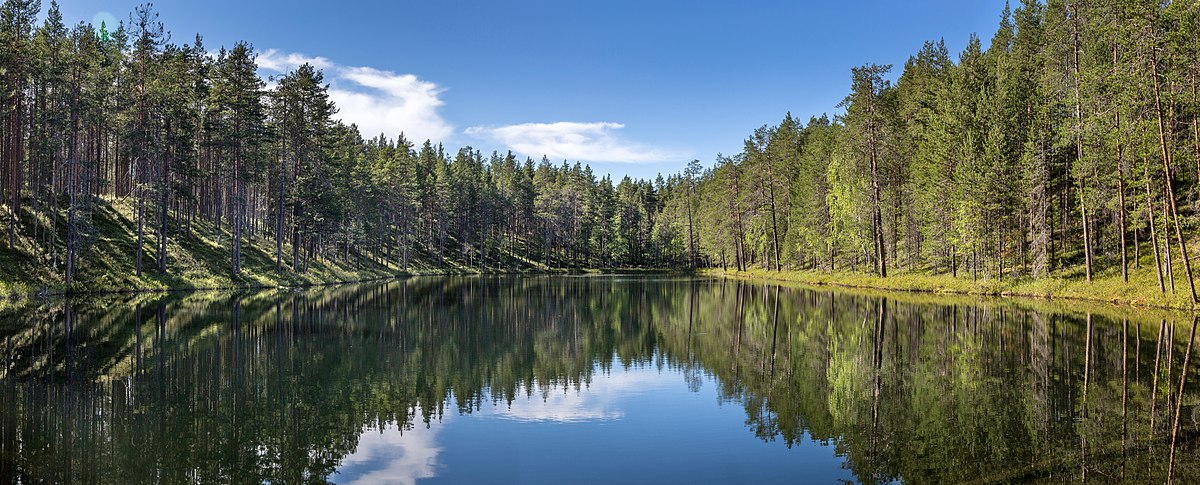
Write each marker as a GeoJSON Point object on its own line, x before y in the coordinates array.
{"type": "Point", "coordinates": [193, 260]}
{"type": "Point", "coordinates": [1070, 284]}
{"type": "Point", "coordinates": [198, 257]}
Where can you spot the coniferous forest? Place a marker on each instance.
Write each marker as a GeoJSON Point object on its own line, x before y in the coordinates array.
{"type": "Point", "coordinates": [116, 131]}
{"type": "Point", "coordinates": [1066, 146]}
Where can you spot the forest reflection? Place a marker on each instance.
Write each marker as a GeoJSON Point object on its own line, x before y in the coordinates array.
{"type": "Point", "coordinates": [282, 386]}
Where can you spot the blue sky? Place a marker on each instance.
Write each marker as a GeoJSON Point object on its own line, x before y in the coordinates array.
{"type": "Point", "coordinates": [631, 87]}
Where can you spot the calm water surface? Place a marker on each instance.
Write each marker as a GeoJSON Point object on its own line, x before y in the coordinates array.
{"type": "Point", "coordinates": [590, 379]}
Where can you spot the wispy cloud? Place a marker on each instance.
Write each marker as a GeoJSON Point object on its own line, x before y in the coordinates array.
{"type": "Point", "coordinates": [567, 140]}
{"type": "Point", "coordinates": [274, 60]}
{"type": "Point", "coordinates": [390, 455]}
{"type": "Point", "coordinates": [601, 400]}
{"type": "Point", "coordinates": [377, 101]}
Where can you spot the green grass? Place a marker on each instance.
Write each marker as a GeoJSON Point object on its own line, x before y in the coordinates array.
{"type": "Point", "coordinates": [1069, 284]}
{"type": "Point", "coordinates": [202, 260]}
{"type": "Point", "coordinates": [199, 259]}
{"type": "Point", "coordinates": [194, 261]}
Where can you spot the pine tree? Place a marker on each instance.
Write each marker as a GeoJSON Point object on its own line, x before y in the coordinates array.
{"type": "Point", "coordinates": [238, 123]}
{"type": "Point", "coordinates": [865, 122]}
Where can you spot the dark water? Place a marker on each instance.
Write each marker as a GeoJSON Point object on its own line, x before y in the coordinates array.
{"type": "Point", "coordinates": [589, 379]}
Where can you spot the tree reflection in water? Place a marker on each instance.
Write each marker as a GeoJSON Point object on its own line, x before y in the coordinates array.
{"type": "Point", "coordinates": [281, 386]}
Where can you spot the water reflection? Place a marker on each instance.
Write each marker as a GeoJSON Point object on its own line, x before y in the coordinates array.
{"type": "Point", "coordinates": [391, 454]}
{"type": "Point", "coordinates": [592, 379]}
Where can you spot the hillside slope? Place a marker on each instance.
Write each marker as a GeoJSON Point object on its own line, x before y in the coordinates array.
{"type": "Point", "coordinates": [197, 257]}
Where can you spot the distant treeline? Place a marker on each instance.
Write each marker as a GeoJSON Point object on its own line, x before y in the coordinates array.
{"type": "Point", "coordinates": [1067, 147]}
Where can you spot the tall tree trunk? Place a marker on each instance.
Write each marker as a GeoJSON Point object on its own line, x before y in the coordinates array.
{"type": "Point", "coordinates": [1167, 178]}
{"type": "Point", "coordinates": [140, 211]}
{"type": "Point", "coordinates": [71, 185]}
{"type": "Point", "coordinates": [775, 233]}
{"type": "Point", "coordinates": [877, 218]}
{"type": "Point", "coordinates": [1121, 203]}
{"type": "Point", "coordinates": [279, 206]}
{"type": "Point", "coordinates": [1087, 242]}
{"type": "Point", "coordinates": [1158, 264]}
{"type": "Point", "coordinates": [1169, 266]}
{"type": "Point", "coordinates": [1040, 234]}
{"type": "Point", "coordinates": [163, 197]}
{"type": "Point", "coordinates": [407, 237]}
{"type": "Point", "coordinates": [691, 238]}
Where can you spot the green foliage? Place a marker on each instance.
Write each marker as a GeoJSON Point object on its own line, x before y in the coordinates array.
{"type": "Point", "coordinates": [1039, 155]}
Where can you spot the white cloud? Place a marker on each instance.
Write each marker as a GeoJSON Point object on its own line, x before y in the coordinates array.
{"type": "Point", "coordinates": [389, 455]}
{"type": "Point", "coordinates": [566, 140]}
{"type": "Point", "coordinates": [273, 60]}
{"type": "Point", "coordinates": [377, 101]}
{"type": "Point", "coordinates": [601, 400]}
{"type": "Point", "coordinates": [562, 406]}
{"type": "Point", "coordinates": [406, 454]}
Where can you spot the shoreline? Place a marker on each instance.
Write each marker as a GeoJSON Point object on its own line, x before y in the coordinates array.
{"type": "Point", "coordinates": [44, 292]}
{"type": "Point", "coordinates": [1132, 297]}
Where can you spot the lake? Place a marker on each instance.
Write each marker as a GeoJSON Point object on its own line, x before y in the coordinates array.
{"type": "Point", "coordinates": [593, 379]}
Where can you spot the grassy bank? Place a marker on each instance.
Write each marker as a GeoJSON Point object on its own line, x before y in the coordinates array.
{"type": "Point", "coordinates": [1142, 290]}
{"type": "Point", "coordinates": [197, 257]}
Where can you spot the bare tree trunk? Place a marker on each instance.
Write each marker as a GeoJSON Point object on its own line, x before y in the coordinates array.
{"type": "Point", "coordinates": [1087, 242]}
{"type": "Point", "coordinates": [1137, 249]}
{"type": "Point", "coordinates": [1158, 268]}
{"type": "Point", "coordinates": [279, 207]}
{"type": "Point", "coordinates": [1167, 179]}
{"type": "Point", "coordinates": [877, 219]}
{"type": "Point", "coordinates": [71, 184]}
{"type": "Point", "coordinates": [162, 217]}
{"type": "Point", "coordinates": [691, 237]}
{"type": "Point", "coordinates": [405, 242]}
{"type": "Point", "coordinates": [774, 225]}
{"type": "Point", "coordinates": [1121, 189]}
{"type": "Point", "coordinates": [140, 210]}
{"type": "Point", "coordinates": [1038, 223]}
{"type": "Point", "coordinates": [1166, 249]}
